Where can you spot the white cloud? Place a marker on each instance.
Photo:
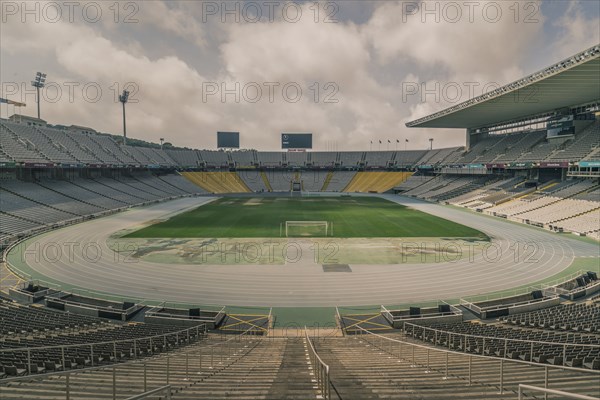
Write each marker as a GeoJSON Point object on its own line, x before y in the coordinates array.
{"type": "Point", "coordinates": [174, 18]}
{"type": "Point", "coordinates": [462, 50]}
{"type": "Point", "coordinates": [368, 62]}
{"type": "Point", "coordinates": [576, 31]}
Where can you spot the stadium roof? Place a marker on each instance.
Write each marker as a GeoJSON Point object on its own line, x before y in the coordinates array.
{"type": "Point", "coordinates": [573, 81]}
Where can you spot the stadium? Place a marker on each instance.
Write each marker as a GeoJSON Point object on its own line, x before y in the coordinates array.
{"type": "Point", "coordinates": [133, 269]}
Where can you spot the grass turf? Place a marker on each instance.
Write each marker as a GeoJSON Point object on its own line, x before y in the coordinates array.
{"type": "Point", "coordinates": [362, 217]}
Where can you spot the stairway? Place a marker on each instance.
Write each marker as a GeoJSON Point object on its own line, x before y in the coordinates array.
{"type": "Point", "coordinates": [252, 368]}
{"type": "Point", "coordinates": [363, 371]}
{"type": "Point", "coordinates": [327, 180]}
{"type": "Point", "coordinates": [375, 368]}
{"type": "Point", "coordinates": [266, 181]}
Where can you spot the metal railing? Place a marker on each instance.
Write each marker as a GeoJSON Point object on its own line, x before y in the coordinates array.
{"type": "Point", "coordinates": [388, 314]}
{"type": "Point", "coordinates": [494, 307]}
{"type": "Point", "coordinates": [270, 322]}
{"type": "Point", "coordinates": [503, 344]}
{"type": "Point", "coordinates": [546, 392]}
{"type": "Point", "coordinates": [521, 291]}
{"type": "Point", "coordinates": [111, 348]}
{"type": "Point", "coordinates": [163, 389]}
{"type": "Point", "coordinates": [205, 360]}
{"type": "Point", "coordinates": [340, 321]}
{"type": "Point", "coordinates": [467, 366]}
{"type": "Point", "coordinates": [320, 369]}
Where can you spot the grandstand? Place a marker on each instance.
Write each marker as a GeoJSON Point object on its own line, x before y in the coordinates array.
{"type": "Point", "coordinates": [63, 185]}
{"type": "Point", "coordinates": [375, 182]}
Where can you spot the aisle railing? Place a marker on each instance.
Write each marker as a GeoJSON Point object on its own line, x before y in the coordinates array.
{"type": "Point", "coordinates": [200, 361]}
{"type": "Point", "coordinates": [476, 368]}
{"type": "Point", "coordinates": [320, 369]}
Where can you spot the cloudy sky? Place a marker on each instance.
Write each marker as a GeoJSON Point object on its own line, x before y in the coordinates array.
{"type": "Point", "coordinates": [351, 72]}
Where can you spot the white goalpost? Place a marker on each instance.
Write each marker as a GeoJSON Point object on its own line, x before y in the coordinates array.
{"type": "Point", "coordinates": [307, 228]}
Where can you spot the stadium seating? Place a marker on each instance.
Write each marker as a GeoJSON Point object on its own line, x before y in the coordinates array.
{"type": "Point", "coordinates": [46, 144]}
{"type": "Point", "coordinates": [18, 320]}
{"type": "Point", "coordinates": [184, 158]}
{"type": "Point", "coordinates": [561, 210]}
{"type": "Point", "coordinates": [296, 159]}
{"type": "Point", "coordinates": [12, 226]}
{"type": "Point", "coordinates": [255, 180]}
{"type": "Point", "coordinates": [270, 158]}
{"type": "Point", "coordinates": [67, 144]}
{"type": "Point", "coordinates": [280, 181]}
{"type": "Point", "coordinates": [196, 365]}
{"type": "Point", "coordinates": [41, 143]}
{"type": "Point", "coordinates": [438, 183]}
{"type": "Point", "coordinates": [51, 197]}
{"type": "Point", "coordinates": [68, 188]}
{"type": "Point", "coordinates": [479, 196]}
{"type": "Point", "coordinates": [244, 159]}
{"type": "Point", "coordinates": [215, 368]}
{"type": "Point", "coordinates": [323, 159]}
{"type": "Point", "coordinates": [29, 206]}
{"type": "Point", "coordinates": [30, 210]}
{"type": "Point", "coordinates": [456, 186]}
{"type": "Point", "coordinates": [517, 148]}
{"type": "Point", "coordinates": [413, 182]}
{"type": "Point", "coordinates": [181, 183]}
{"type": "Point", "coordinates": [479, 149]}
{"type": "Point", "coordinates": [435, 157]}
{"type": "Point", "coordinates": [131, 155]}
{"type": "Point", "coordinates": [380, 159]}
{"type": "Point", "coordinates": [543, 199]}
{"type": "Point", "coordinates": [571, 205]}
{"type": "Point", "coordinates": [214, 158]}
{"type": "Point", "coordinates": [337, 181]}
{"type": "Point", "coordinates": [583, 144]}
{"type": "Point", "coordinates": [368, 366]}
{"type": "Point", "coordinates": [92, 344]}
{"type": "Point", "coordinates": [375, 182]}
{"type": "Point", "coordinates": [313, 181]}
{"type": "Point", "coordinates": [351, 159]}
{"type": "Point", "coordinates": [19, 149]}
{"type": "Point", "coordinates": [512, 342]}
{"type": "Point", "coordinates": [579, 317]}
{"type": "Point", "coordinates": [587, 223]}
{"type": "Point", "coordinates": [218, 182]}
{"type": "Point", "coordinates": [410, 158]}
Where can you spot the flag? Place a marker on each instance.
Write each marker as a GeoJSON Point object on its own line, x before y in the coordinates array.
{"type": "Point", "coordinates": [380, 142]}
{"type": "Point", "coordinates": [371, 142]}
{"type": "Point", "coordinates": [397, 140]}
{"type": "Point", "coordinates": [406, 140]}
{"type": "Point", "coordinates": [14, 103]}
{"type": "Point", "coordinates": [389, 141]}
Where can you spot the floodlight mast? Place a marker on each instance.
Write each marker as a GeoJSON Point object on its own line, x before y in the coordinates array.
{"type": "Point", "coordinates": [123, 98]}
{"type": "Point", "coordinates": [38, 83]}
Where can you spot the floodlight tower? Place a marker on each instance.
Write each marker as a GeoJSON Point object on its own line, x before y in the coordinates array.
{"type": "Point", "coordinates": [430, 143]}
{"type": "Point", "coordinates": [38, 83]}
{"type": "Point", "coordinates": [123, 99]}
{"type": "Point", "coordinates": [162, 140]}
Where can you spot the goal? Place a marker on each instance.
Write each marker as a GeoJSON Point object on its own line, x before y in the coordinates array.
{"type": "Point", "coordinates": [307, 228]}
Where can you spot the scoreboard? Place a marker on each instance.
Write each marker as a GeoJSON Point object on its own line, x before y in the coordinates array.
{"type": "Point", "coordinates": [296, 140]}
{"type": "Point", "coordinates": [228, 140]}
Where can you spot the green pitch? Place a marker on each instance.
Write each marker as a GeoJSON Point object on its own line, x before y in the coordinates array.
{"type": "Point", "coordinates": [352, 217]}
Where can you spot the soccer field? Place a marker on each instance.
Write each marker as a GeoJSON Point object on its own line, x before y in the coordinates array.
{"type": "Point", "coordinates": [349, 217]}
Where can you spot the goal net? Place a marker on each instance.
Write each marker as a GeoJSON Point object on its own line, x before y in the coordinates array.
{"type": "Point", "coordinates": [307, 228]}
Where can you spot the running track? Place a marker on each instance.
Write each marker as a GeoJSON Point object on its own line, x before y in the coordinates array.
{"type": "Point", "coordinates": [303, 283]}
